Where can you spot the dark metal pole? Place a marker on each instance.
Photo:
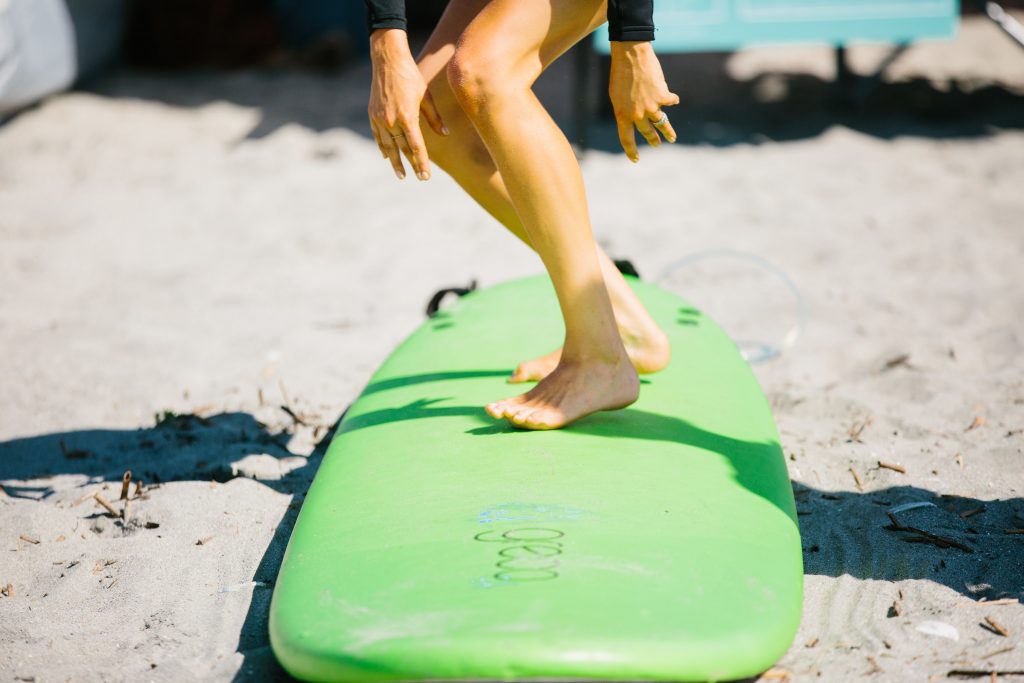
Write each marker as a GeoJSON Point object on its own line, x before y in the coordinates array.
{"type": "Point", "coordinates": [581, 93]}
{"type": "Point", "coordinates": [1011, 26]}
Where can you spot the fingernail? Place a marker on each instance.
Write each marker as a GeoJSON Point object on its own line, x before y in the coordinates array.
{"type": "Point", "coordinates": [423, 175]}
{"type": "Point", "coordinates": [400, 174]}
{"type": "Point", "coordinates": [634, 159]}
{"type": "Point", "coordinates": [444, 129]}
{"type": "Point", "coordinates": [672, 140]}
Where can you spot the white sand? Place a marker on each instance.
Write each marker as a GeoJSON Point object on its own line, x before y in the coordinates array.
{"type": "Point", "coordinates": [193, 243]}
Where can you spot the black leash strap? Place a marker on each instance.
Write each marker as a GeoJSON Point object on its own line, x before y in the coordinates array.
{"type": "Point", "coordinates": [435, 301]}
{"type": "Point", "coordinates": [625, 267]}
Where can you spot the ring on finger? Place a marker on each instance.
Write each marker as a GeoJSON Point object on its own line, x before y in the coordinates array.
{"type": "Point", "coordinates": [661, 121]}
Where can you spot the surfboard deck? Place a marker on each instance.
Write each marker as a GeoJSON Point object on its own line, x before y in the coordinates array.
{"type": "Point", "coordinates": [658, 542]}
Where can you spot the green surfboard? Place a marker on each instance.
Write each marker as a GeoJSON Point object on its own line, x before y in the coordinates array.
{"type": "Point", "coordinates": [658, 542]}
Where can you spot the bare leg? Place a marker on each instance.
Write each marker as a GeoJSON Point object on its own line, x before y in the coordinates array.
{"type": "Point", "coordinates": [464, 156]}
{"type": "Point", "coordinates": [499, 56]}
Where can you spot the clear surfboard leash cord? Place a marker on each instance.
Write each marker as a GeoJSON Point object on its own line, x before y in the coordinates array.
{"type": "Point", "coordinates": [753, 351]}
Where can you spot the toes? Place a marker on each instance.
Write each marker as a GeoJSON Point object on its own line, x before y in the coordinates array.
{"type": "Point", "coordinates": [544, 419]}
{"type": "Point", "coordinates": [534, 415]}
{"type": "Point", "coordinates": [519, 376]}
{"type": "Point", "coordinates": [496, 409]}
{"type": "Point", "coordinates": [519, 417]}
{"type": "Point", "coordinates": [513, 411]}
{"type": "Point", "coordinates": [526, 372]}
{"type": "Point", "coordinates": [502, 408]}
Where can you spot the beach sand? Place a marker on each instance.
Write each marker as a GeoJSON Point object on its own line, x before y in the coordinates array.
{"type": "Point", "coordinates": [199, 272]}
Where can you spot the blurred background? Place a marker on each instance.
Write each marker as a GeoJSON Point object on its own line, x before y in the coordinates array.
{"type": "Point", "coordinates": [50, 44]}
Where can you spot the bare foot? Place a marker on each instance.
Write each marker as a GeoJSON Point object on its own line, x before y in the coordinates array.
{"type": "Point", "coordinates": [569, 392]}
{"type": "Point", "coordinates": [649, 352]}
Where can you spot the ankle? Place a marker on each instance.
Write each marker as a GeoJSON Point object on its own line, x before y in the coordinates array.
{"type": "Point", "coordinates": [611, 355]}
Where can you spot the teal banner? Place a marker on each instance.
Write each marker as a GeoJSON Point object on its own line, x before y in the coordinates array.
{"type": "Point", "coordinates": [709, 25]}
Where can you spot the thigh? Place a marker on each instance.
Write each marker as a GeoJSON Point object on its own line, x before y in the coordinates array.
{"type": "Point", "coordinates": [433, 58]}
{"type": "Point", "coordinates": [521, 36]}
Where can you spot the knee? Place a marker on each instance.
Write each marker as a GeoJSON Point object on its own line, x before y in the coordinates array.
{"type": "Point", "coordinates": [475, 76]}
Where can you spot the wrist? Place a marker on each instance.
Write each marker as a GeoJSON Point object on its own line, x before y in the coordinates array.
{"type": "Point", "coordinates": [389, 43]}
{"type": "Point", "coordinates": [630, 49]}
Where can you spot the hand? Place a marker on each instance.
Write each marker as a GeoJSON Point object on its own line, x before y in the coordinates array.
{"type": "Point", "coordinates": [397, 97]}
{"type": "Point", "coordinates": [638, 92]}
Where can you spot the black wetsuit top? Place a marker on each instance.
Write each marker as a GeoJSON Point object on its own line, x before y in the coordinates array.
{"type": "Point", "coordinates": [627, 19]}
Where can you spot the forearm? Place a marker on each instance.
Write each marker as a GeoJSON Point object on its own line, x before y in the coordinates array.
{"type": "Point", "coordinates": [630, 20]}
{"type": "Point", "coordinates": [631, 52]}
{"type": "Point", "coordinates": [389, 46]}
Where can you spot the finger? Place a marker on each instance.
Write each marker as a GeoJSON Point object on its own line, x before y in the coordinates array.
{"type": "Point", "coordinates": [416, 151]}
{"type": "Point", "coordinates": [431, 114]}
{"type": "Point", "coordinates": [661, 123]}
{"type": "Point", "coordinates": [647, 130]}
{"type": "Point", "coordinates": [376, 137]}
{"type": "Point", "coordinates": [391, 149]}
{"type": "Point", "coordinates": [402, 140]}
{"type": "Point", "coordinates": [668, 131]}
{"type": "Point", "coordinates": [671, 101]}
{"type": "Point", "coordinates": [627, 139]}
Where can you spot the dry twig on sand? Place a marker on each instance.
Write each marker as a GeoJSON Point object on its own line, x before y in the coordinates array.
{"type": "Point", "coordinates": [896, 609]}
{"type": "Point", "coordinates": [995, 626]}
{"type": "Point", "coordinates": [295, 416]}
{"type": "Point", "coordinates": [891, 466]}
{"type": "Point", "coordinates": [79, 501]}
{"type": "Point", "coordinates": [857, 428]}
{"type": "Point", "coordinates": [105, 503]}
{"type": "Point", "coordinates": [776, 675]}
{"type": "Point", "coordinates": [73, 453]}
{"type": "Point", "coordinates": [979, 421]}
{"type": "Point", "coordinates": [988, 603]}
{"type": "Point", "coordinates": [857, 479]}
{"type": "Point", "coordinates": [901, 360]}
{"type": "Point", "coordinates": [922, 536]}
{"type": "Point", "coordinates": [29, 539]}
{"type": "Point", "coordinates": [972, 673]}
{"type": "Point", "coordinates": [126, 482]}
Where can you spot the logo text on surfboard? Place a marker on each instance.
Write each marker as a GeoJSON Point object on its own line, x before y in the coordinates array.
{"type": "Point", "coordinates": [525, 554]}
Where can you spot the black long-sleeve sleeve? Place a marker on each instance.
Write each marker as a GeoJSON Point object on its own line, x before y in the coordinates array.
{"type": "Point", "coordinates": [627, 19]}
{"type": "Point", "coordinates": [386, 14]}
{"type": "Point", "coordinates": [631, 20]}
